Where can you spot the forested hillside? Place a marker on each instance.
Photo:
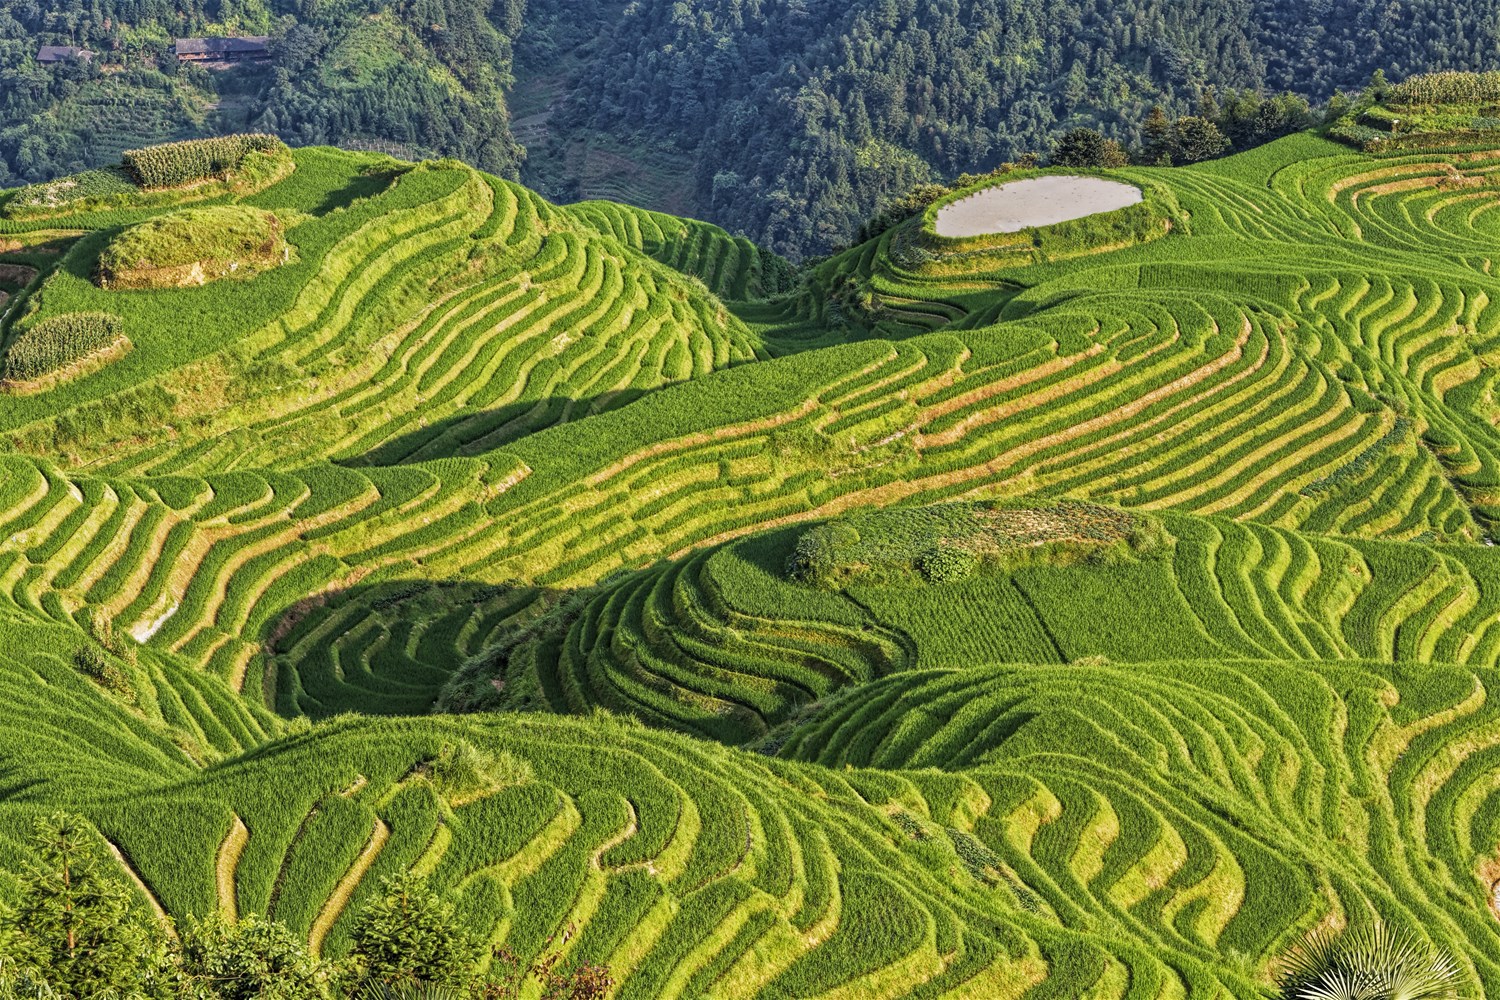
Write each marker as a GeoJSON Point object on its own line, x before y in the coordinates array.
{"type": "Point", "coordinates": [789, 121]}
{"type": "Point", "coordinates": [804, 114]}
{"type": "Point", "coordinates": [414, 77]}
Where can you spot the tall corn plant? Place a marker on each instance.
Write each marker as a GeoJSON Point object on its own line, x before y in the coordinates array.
{"type": "Point", "coordinates": [1372, 962]}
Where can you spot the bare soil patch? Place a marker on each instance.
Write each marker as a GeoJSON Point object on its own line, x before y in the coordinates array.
{"type": "Point", "coordinates": [17, 274]}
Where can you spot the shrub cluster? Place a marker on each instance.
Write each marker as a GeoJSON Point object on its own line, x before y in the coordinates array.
{"type": "Point", "coordinates": [94, 663]}
{"type": "Point", "coordinates": [178, 163]}
{"type": "Point", "coordinates": [949, 542]}
{"type": "Point", "coordinates": [817, 552]}
{"type": "Point", "coordinates": [59, 341]}
{"type": "Point", "coordinates": [947, 564]}
{"type": "Point", "coordinates": [193, 246]}
{"type": "Point", "coordinates": [463, 770]}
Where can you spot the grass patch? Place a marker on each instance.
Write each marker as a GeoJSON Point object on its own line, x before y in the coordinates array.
{"type": "Point", "coordinates": [193, 247]}
{"type": "Point", "coordinates": [949, 542]}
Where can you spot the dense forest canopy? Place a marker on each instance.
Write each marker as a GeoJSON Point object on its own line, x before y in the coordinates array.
{"type": "Point", "coordinates": [852, 103]}
{"type": "Point", "coordinates": [415, 76]}
{"type": "Point", "coordinates": [797, 119]}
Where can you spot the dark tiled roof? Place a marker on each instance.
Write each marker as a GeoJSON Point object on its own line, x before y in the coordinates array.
{"type": "Point", "coordinates": [222, 46]}
{"type": "Point", "coordinates": [59, 53]}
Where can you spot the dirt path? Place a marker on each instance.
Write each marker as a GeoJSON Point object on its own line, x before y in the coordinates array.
{"type": "Point", "coordinates": [140, 883]}
{"type": "Point", "coordinates": [334, 908]}
{"type": "Point", "coordinates": [228, 863]}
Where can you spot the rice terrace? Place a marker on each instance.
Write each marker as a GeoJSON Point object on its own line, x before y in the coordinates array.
{"type": "Point", "coordinates": [1100, 604]}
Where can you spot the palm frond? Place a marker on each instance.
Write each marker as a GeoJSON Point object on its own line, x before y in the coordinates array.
{"type": "Point", "coordinates": [385, 991]}
{"type": "Point", "coordinates": [1313, 957]}
{"type": "Point", "coordinates": [1371, 962]}
{"type": "Point", "coordinates": [1336, 984]}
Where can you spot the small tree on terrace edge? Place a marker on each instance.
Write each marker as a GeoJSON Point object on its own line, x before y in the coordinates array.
{"type": "Point", "coordinates": [253, 959]}
{"type": "Point", "coordinates": [1087, 147]}
{"type": "Point", "coordinates": [1199, 139]}
{"type": "Point", "coordinates": [79, 926]}
{"type": "Point", "coordinates": [410, 936]}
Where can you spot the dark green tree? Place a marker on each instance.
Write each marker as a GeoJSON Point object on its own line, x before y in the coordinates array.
{"type": "Point", "coordinates": [1160, 142]}
{"type": "Point", "coordinates": [1199, 139]}
{"type": "Point", "coordinates": [254, 959]}
{"type": "Point", "coordinates": [1086, 147]}
{"type": "Point", "coordinates": [410, 936]}
{"type": "Point", "coordinates": [79, 925]}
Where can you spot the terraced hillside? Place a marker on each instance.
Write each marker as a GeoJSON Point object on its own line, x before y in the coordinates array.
{"type": "Point", "coordinates": [1152, 626]}
{"type": "Point", "coordinates": [430, 311]}
{"type": "Point", "coordinates": [724, 644]}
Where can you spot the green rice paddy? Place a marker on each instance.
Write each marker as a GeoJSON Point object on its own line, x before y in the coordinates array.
{"type": "Point", "coordinates": [1153, 623]}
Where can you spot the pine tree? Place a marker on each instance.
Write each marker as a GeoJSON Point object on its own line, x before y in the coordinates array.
{"type": "Point", "coordinates": [79, 926]}
{"type": "Point", "coordinates": [1208, 104]}
{"type": "Point", "coordinates": [1160, 143]}
{"type": "Point", "coordinates": [410, 936]}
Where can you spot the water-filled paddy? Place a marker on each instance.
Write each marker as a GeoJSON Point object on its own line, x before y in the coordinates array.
{"type": "Point", "coordinates": [1037, 201]}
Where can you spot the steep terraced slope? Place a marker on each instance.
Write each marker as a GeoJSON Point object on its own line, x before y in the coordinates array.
{"type": "Point", "coordinates": [723, 643]}
{"type": "Point", "coordinates": [575, 450]}
{"type": "Point", "coordinates": [430, 310]}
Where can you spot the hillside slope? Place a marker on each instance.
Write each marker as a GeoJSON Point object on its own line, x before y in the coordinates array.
{"type": "Point", "coordinates": [1085, 612]}
{"type": "Point", "coordinates": [1083, 829]}
{"type": "Point", "coordinates": [850, 104]}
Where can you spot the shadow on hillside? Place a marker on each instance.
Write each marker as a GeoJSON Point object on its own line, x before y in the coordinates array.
{"type": "Point", "coordinates": [770, 550]}
{"type": "Point", "coordinates": [386, 648]}
{"type": "Point", "coordinates": [473, 432]}
{"type": "Point", "coordinates": [81, 259]}
{"type": "Point", "coordinates": [363, 185]}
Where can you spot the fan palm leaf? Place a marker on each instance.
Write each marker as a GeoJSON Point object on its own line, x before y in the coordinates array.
{"type": "Point", "coordinates": [1370, 962]}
